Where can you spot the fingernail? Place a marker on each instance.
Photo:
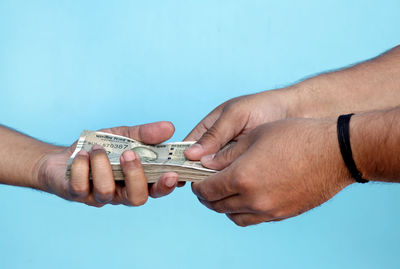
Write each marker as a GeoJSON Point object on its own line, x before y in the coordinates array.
{"type": "Point", "coordinates": [170, 182]}
{"type": "Point", "coordinates": [195, 148]}
{"type": "Point", "coordinates": [83, 153]}
{"type": "Point", "coordinates": [96, 147]}
{"type": "Point", "coordinates": [207, 158]}
{"type": "Point", "coordinates": [129, 156]}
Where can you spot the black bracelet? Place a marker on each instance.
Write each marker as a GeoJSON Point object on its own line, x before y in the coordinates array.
{"type": "Point", "coordinates": [343, 131]}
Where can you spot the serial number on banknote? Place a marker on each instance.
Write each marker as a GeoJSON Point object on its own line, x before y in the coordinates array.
{"type": "Point", "coordinates": [113, 145]}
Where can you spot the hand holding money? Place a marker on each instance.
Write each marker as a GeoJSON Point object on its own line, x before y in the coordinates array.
{"type": "Point", "coordinates": [91, 177]}
{"type": "Point", "coordinates": [156, 159]}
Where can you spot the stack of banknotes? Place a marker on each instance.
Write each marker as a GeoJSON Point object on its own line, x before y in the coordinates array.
{"type": "Point", "coordinates": [156, 159]}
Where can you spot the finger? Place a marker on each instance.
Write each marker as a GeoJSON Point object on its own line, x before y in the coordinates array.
{"type": "Point", "coordinates": [98, 205]}
{"type": "Point", "coordinates": [90, 201]}
{"type": "Point", "coordinates": [151, 133]}
{"type": "Point", "coordinates": [136, 191]}
{"type": "Point", "coordinates": [165, 185]}
{"type": "Point", "coordinates": [215, 187]}
{"type": "Point", "coordinates": [226, 156]}
{"type": "Point", "coordinates": [228, 126]}
{"type": "Point", "coordinates": [103, 179]}
{"type": "Point", "coordinates": [121, 195]}
{"type": "Point", "coordinates": [247, 219]}
{"type": "Point", "coordinates": [181, 184]}
{"type": "Point", "coordinates": [78, 185]}
{"type": "Point", "coordinates": [204, 124]}
{"type": "Point", "coordinates": [233, 204]}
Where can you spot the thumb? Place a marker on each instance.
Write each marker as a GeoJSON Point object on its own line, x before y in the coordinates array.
{"type": "Point", "coordinates": [150, 133]}
{"type": "Point", "coordinates": [227, 127]}
{"type": "Point", "coordinates": [226, 156]}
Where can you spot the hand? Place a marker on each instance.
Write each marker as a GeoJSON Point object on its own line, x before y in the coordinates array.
{"type": "Point", "coordinates": [51, 171]}
{"type": "Point", "coordinates": [278, 171]}
{"type": "Point", "coordinates": [236, 118]}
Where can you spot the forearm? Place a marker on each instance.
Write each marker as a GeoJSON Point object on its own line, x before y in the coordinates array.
{"type": "Point", "coordinates": [371, 85]}
{"type": "Point", "coordinates": [20, 156]}
{"type": "Point", "coordinates": [375, 142]}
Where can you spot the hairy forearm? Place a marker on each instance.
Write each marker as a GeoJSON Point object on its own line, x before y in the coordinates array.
{"type": "Point", "coordinates": [371, 85]}
{"type": "Point", "coordinates": [375, 142]}
{"type": "Point", "coordinates": [20, 156]}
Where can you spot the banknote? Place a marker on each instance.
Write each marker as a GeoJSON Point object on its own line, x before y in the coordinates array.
{"type": "Point", "coordinates": [156, 159]}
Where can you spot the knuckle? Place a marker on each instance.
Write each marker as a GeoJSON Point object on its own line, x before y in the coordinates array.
{"type": "Point", "coordinates": [200, 191]}
{"type": "Point", "coordinates": [105, 192]}
{"type": "Point", "coordinates": [200, 129]}
{"type": "Point", "coordinates": [98, 155]}
{"type": "Point", "coordinates": [78, 190]}
{"type": "Point", "coordinates": [283, 212]}
{"type": "Point", "coordinates": [79, 161]}
{"type": "Point", "coordinates": [277, 208]}
{"type": "Point", "coordinates": [138, 201]}
{"type": "Point", "coordinates": [156, 191]}
{"type": "Point", "coordinates": [212, 134]}
{"type": "Point", "coordinates": [224, 156]}
{"type": "Point", "coordinates": [241, 182]}
{"type": "Point", "coordinates": [204, 194]}
{"type": "Point", "coordinates": [218, 207]}
{"type": "Point", "coordinates": [101, 198]}
{"type": "Point", "coordinates": [271, 209]}
{"type": "Point", "coordinates": [236, 110]}
{"type": "Point", "coordinates": [259, 205]}
{"type": "Point", "coordinates": [240, 222]}
{"type": "Point", "coordinates": [276, 214]}
{"type": "Point", "coordinates": [239, 172]}
{"type": "Point", "coordinates": [231, 107]}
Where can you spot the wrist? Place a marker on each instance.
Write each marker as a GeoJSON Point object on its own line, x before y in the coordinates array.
{"type": "Point", "coordinates": [329, 146]}
{"type": "Point", "coordinates": [42, 167]}
{"type": "Point", "coordinates": [315, 98]}
{"type": "Point", "coordinates": [300, 99]}
{"type": "Point", "coordinates": [289, 101]}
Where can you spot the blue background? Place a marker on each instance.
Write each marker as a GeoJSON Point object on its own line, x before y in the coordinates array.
{"type": "Point", "coordinates": [72, 65]}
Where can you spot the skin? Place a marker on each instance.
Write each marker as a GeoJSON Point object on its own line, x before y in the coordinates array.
{"type": "Point", "coordinates": [345, 91]}
{"type": "Point", "coordinates": [286, 159]}
{"type": "Point", "coordinates": [44, 168]}
{"type": "Point", "coordinates": [267, 120]}
{"type": "Point", "coordinates": [285, 168]}
{"type": "Point", "coordinates": [260, 183]}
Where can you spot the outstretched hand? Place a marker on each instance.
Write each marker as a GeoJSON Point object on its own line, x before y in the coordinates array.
{"type": "Point", "coordinates": [103, 189]}
{"type": "Point", "coordinates": [236, 118]}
